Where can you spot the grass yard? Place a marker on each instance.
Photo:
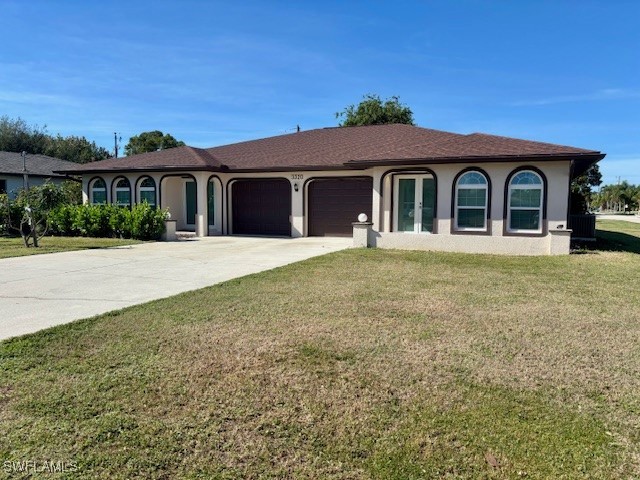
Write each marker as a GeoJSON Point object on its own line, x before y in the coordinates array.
{"type": "Point", "coordinates": [359, 364]}
{"type": "Point", "coordinates": [14, 247]}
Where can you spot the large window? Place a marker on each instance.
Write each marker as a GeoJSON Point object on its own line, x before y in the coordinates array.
{"type": "Point", "coordinates": [525, 203]}
{"type": "Point", "coordinates": [123, 193]}
{"type": "Point", "coordinates": [147, 191]}
{"type": "Point", "coordinates": [471, 199]}
{"type": "Point", "coordinates": [98, 191]}
{"type": "Point", "coordinates": [3, 186]}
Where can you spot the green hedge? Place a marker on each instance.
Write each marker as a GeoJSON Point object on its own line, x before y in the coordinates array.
{"type": "Point", "coordinates": [142, 222]}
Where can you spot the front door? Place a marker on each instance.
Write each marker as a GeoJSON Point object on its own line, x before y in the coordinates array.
{"type": "Point", "coordinates": [414, 200]}
{"type": "Point", "coordinates": [190, 201]}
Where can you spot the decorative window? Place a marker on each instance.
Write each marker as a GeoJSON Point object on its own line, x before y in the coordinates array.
{"type": "Point", "coordinates": [123, 193]}
{"type": "Point", "coordinates": [98, 191]}
{"type": "Point", "coordinates": [525, 203]}
{"type": "Point", "coordinates": [471, 200]}
{"type": "Point", "coordinates": [148, 191]}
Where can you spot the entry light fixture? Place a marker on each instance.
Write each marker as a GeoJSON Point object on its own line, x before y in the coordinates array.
{"type": "Point", "coordinates": [296, 187]}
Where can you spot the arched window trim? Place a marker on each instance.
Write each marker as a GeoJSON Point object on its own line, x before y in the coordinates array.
{"type": "Point", "coordinates": [117, 189]}
{"type": "Point", "coordinates": [542, 208]}
{"type": "Point", "coordinates": [487, 204]}
{"type": "Point", "coordinates": [142, 189]}
{"type": "Point", "coordinates": [93, 189]}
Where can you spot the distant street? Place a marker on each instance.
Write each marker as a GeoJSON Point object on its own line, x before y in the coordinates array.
{"type": "Point", "coordinates": [626, 218]}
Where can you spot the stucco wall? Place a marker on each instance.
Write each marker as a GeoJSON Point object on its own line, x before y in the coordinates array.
{"type": "Point", "coordinates": [556, 173]}
{"type": "Point", "coordinates": [551, 244]}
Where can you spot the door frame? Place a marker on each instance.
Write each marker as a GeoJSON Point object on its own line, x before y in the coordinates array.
{"type": "Point", "coordinates": [419, 179]}
{"type": "Point", "coordinates": [229, 204]}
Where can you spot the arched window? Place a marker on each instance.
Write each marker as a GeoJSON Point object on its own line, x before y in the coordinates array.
{"type": "Point", "coordinates": [123, 192]}
{"type": "Point", "coordinates": [471, 202]}
{"type": "Point", "coordinates": [98, 191]}
{"type": "Point", "coordinates": [147, 191]}
{"type": "Point", "coordinates": [525, 202]}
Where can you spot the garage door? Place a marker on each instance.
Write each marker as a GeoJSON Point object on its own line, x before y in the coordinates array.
{"type": "Point", "coordinates": [334, 204]}
{"type": "Point", "coordinates": [261, 207]}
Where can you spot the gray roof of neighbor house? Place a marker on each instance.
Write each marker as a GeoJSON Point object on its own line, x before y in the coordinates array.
{"type": "Point", "coordinates": [37, 165]}
{"type": "Point", "coordinates": [345, 148]}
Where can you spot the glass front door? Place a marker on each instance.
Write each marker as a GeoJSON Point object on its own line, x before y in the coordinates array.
{"type": "Point", "coordinates": [414, 201]}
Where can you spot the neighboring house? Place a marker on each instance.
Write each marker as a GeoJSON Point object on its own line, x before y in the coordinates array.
{"type": "Point", "coordinates": [39, 169]}
{"type": "Point", "coordinates": [420, 188]}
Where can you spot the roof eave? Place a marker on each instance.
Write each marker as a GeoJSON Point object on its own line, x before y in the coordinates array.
{"type": "Point", "coordinates": [592, 157]}
{"type": "Point", "coordinates": [157, 168]}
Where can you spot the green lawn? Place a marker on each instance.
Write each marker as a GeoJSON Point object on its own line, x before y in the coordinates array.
{"type": "Point", "coordinates": [359, 364]}
{"type": "Point", "coordinates": [14, 247]}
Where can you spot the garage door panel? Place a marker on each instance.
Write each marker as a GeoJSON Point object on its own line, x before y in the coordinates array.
{"type": "Point", "coordinates": [261, 207]}
{"type": "Point", "coordinates": [334, 204]}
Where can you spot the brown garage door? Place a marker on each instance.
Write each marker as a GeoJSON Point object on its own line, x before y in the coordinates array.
{"type": "Point", "coordinates": [335, 203]}
{"type": "Point", "coordinates": [261, 207]}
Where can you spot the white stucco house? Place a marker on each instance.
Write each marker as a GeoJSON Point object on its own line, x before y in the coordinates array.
{"type": "Point", "coordinates": [420, 188]}
{"type": "Point", "coordinates": [39, 169]}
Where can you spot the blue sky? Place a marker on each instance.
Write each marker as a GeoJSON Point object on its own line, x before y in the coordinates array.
{"type": "Point", "coordinates": [212, 73]}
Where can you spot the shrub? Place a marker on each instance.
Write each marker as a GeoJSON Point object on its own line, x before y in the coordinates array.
{"type": "Point", "coordinates": [61, 220]}
{"type": "Point", "coordinates": [142, 222]}
{"type": "Point", "coordinates": [147, 222]}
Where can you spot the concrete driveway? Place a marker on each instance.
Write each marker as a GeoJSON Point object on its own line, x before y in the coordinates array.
{"type": "Point", "coordinates": [40, 291]}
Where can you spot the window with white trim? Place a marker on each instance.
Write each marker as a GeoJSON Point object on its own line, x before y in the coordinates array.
{"type": "Point", "coordinates": [525, 203]}
{"type": "Point", "coordinates": [471, 200]}
{"type": "Point", "coordinates": [98, 191]}
{"type": "Point", "coordinates": [123, 193]}
{"type": "Point", "coordinates": [147, 191]}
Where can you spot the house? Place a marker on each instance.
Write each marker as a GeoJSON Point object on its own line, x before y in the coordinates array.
{"type": "Point", "coordinates": [39, 169]}
{"type": "Point", "coordinates": [420, 188]}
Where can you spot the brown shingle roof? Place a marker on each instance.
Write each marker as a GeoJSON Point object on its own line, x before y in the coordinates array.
{"type": "Point", "coordinates": [346, 147]}
{"type": "Point", "coordinates": [178, 158]}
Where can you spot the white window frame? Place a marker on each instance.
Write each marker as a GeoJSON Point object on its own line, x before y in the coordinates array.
{"type": "Point", "coordinates": [540, 207]}
{"type": "Point", "coordinates": [93, 189]}
{"type": "Point", "coordinates": [147, 189]}
{"type": "Point", "coordinates": [484, 209]}
{"type": "Point", "coordinates": [418, 177]}
{"type": "Point", "coordinates": [122, 189]}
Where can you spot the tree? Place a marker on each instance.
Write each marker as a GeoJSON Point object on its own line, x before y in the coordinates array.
{"type": "Point", "coordinates": [150, 142]}
{"type": "Point", "coordinates": [372, 111]}
{"type": "Point", "coordinates": [75, 149]}
{"type": "Point", "coordinates": [28, 213]}
{"type": "Point", "coordinates": [581, 189]}
{"type": "Point", "coordinates": [18, 136]}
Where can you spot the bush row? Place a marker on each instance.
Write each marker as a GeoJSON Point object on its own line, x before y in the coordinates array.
{"type": "Point", "coordinates": [142, 221]}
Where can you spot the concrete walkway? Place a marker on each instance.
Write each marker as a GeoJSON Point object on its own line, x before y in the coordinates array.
{"type": "Point", "coordinates": [40, 291]}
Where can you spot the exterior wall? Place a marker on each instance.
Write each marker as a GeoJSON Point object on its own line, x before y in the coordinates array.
{"type": "Point", "coordinates": [547, 245]}
{"type": "Point", "coordinates": [171, 195]}
{"type": "Point", "coordinates": [16, 182]}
